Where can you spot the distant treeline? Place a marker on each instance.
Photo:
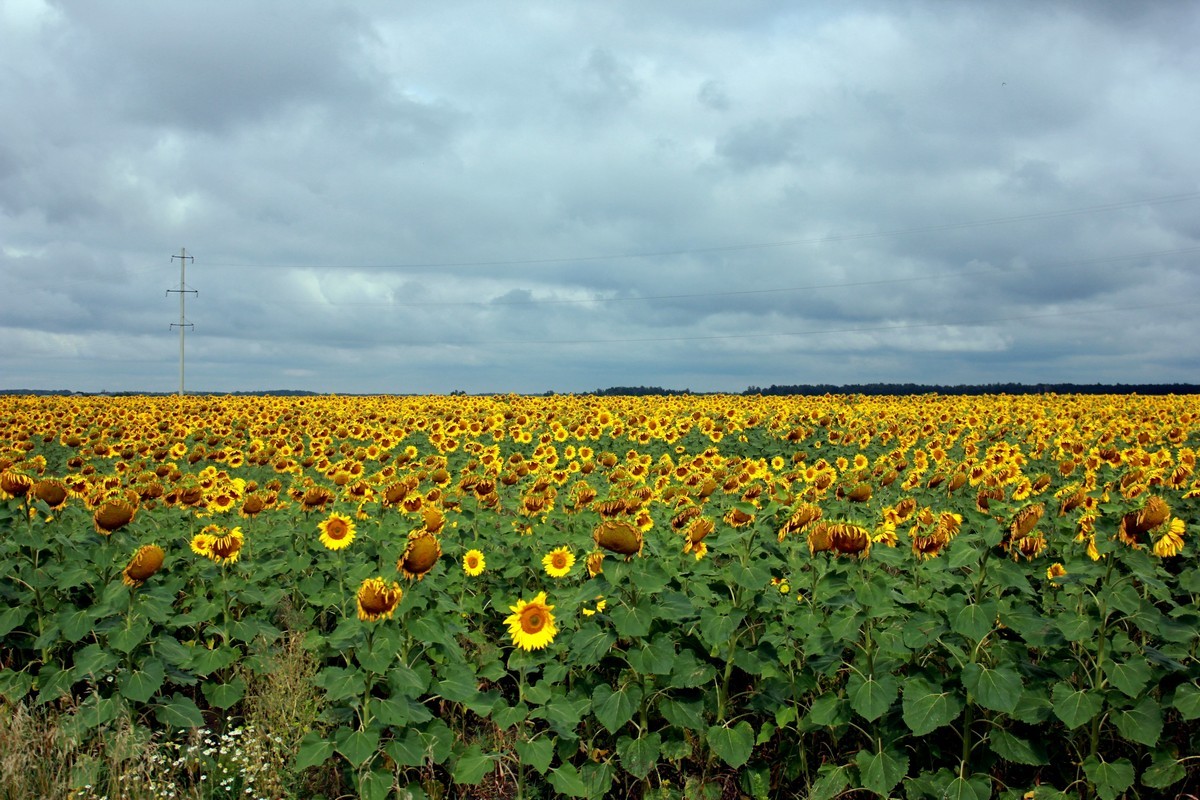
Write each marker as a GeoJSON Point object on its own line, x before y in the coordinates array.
{"type": "Point", "coordinates": [978, 389]}
{"type": "Point", "coordinates": [806, 389]}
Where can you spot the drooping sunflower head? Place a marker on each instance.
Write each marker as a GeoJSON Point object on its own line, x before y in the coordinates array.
{"type": "Point", "coordinates": [145, 562]}
{"type": "Point", "coordinates": [558, 562]}
{"type": "Point", "coordinates": [1055, 571]}
{"type": "Point", "coordinates": [337, 532]}
{"type": "Point", "coordinates": [801, 517]}
{"type": "Point", "coordinates": [15, 484]}
{"type": "Point", "coordinates": [595, 563]}
{"type": "Point", "coordinates": [1136, 525]}
{"type": "Point", "coordinates": [377, 600]}
{"type": "Point", "coordinates": [113, 515]}
{"type": "Point", "coordinates": [738, 518]}
{"type": "Point", "coordinates": [531, 624]}
{"type": "Point", "coordinates": [849, 539]}
{"type": "Point", "coordinates": [618, 536]}
{"type": "Point", "coordinates": [51, 491]}
{"type": "Point", "coordinates": [225, 547]}
{"type": "Point", "coordinates": [1025, 520]}
{"type": "Point", "coordinates": [420, 554]}
{"type": "Point", "coordinates": [316, 497]}
{"type": "Point", "coordinates": [433, 518]}
{"type": "Point", "coordinates": [696, 533]}
{"type": "Point", "coordinates": [1168, 539]}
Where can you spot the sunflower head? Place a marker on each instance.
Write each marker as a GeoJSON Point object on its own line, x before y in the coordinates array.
{"type": "Point", "coordinates": [15, 484]}
{"type": "Point", "coordinates": [696, 533]}
{"type": "Point", "coordinates": [225, 547]}
{"type": "Point", "coordinates": [595, 563]}
{"type": "Point", "coordinates": [377, 600]}
{"type": "Point", "coordinates": [337, 532]}
{"type": "Point", "coordinates": [558, 562]}
{"type": "Point", "coordinates": [52, 492]}
{"type": "Point", "coordinates": [420, 554]}
{"type": "Point", "coordinates": [145, 562]}
{"type": "Point", "coordinates": [618, 536]}
{"type": "Point", "coordinates": [113, 515]}
{"type": "Point", "coordinates": [474, 563]}
{"type": "Point", "coordinates": [531, 624]}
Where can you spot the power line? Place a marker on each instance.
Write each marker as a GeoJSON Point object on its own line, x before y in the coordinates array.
{"type": "Point", "coordinates": [744, 246]}
{"type": "Point", "coordinates": [182, 291]}
{"type": "Point", "coordinates": [740, 292]}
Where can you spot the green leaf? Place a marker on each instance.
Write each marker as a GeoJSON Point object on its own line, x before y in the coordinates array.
{"type": "Point", "coordinates": [998, 689]}
{"type": "Point", "coordinates": [925, 708]}
{"type": "Point", "coordinates": [471, 766]}
{"type": "Point", "coordinates": [975, 621]}
{"type": "Point", "coordinates": [688, 672]}
{"type": "Point", "coordinates": [94, 662]}
{"type": "Point", "coordinates": [870, 697]}
{"type": "Point", "coordinates": [53, 683]}
{"type": "Point", "coordinates": [458, 685]}
{"type": "Point", "coordinates": [831, 782]}
{"type": "Point", "coordinates": [1015, 749]}
{"type": "Point", "coordinates": [972, 787]}
{"type": "Point", "coordinates": [357, 746]}
{"type": "Point", "coordinates": [880, 772]}
{"type": "Point", "coordinates": [1143, 723]}
{"type": "Point", "coordinates": [15, 685]}
{"type": "Point", "coordinates": [1129, 676]}
{"type": "Point", "coordinates": [407, 750]}
{"type": "Point", "coordinates": [717, 625]}
{"type": "Point", "coordinates": [590, 644]}
{"type": "Point", "coordinates": [141, 684]}
{"type": "Point", "coordinates": [653, 658]}
{"type": "Point", "coordinates": [827, 710]}
{"type": "Point", "coordinates": [205, 661]}
{"type": "Point", "coordinates": [639, 756]}
{"type": "Point", "coordinates": [375, 784]}
{"type": "Point", "coordinates": [1110, 778]}
{"type": "Point", "coordinates": [75, 624]}
{"type": "Point", "coordinates": [313, 750]}
{"type": "Point", "coordinates": [340, 683]}
{"type": "Point", "coordinates": [1075, 706]}
{"type": "Point", "coordinates": [126, 639]}
{"type": "Point", "coordinates": [224, 695]}
{"type": "Point", "coordinates": [537, 753]}
{"type": "Point", "coordinates": [1187, 701]}
{"type": "Point", "coordinates": [566, 780]}
{"type": "Point", "coordinates": [179, 712]}
{"type": "Point", "coordinates": [732, 745]}
{"type": "Point", "coordinates": [508, 716]}
{"type": "Point", "coordinates": [11, 618]}
{"type": "Point", "coordinates": [688, 715]}
{"type": "Point", "coordinates": [614, 708]}
{"type": "Point", "coordinates": [631, 622]}
{"type": "Point", "coordinates": [1163, 771]}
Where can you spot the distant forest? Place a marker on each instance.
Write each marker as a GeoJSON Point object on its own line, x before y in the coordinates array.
{"type": "Point", "coordinates": [804, 389]}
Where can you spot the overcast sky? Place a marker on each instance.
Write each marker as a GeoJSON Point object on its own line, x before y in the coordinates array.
{"type": "Point", "coordinates": [563, 196]}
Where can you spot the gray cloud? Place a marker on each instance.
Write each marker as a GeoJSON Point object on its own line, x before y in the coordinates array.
{"type": "Point", "coordinates": [546, 196]}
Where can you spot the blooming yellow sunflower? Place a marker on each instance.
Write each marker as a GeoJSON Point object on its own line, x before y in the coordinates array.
{"type": "Point", "coordinates": [337, 532]}
{"type": "Point", "coordinates": [1055, 571]}
{"type": "Point", "coordinates": [377, 600]}
{"type": "Point", "coordinates": [558, 562]}
{"type": "Point", "coordinates": [220, 545]}
{"type": "Point", "coordinates": [531, 624]}
{"type": "Point", "coordinates": [145, 562]}
{"type": "Point", "coordinates": [474, 563]}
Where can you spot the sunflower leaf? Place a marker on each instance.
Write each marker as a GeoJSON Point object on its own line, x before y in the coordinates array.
{"type": "Point", "coordinates": [925, 708]}
{"type": "Point", "coordinates": [639, 756]}
{"type": "Point", "coordinates": [537, 753]}
{"type": "Point", "coordinates": [566, 780]}
{"type": "Point", "coordinates": [179, 712]}
{"type": "Point", "coordinates": [141, 684]}
{"type": "Point", "coordinates": [471, 766]}
{"type": "Point", "coordinates": [615, 707]}
{"type": "Point", "coordinates": [733, 745]}
{"type": "Point", "coordinates": [998, 689]}
{"type": "Point", "coordinates": [1110, 778]}
{"type": "Point", "coordinates": [1075, 706]}
{"type": "Point", "coordinates": [871, 697]}
{"type": "Point", "coordinates": [880, 772]}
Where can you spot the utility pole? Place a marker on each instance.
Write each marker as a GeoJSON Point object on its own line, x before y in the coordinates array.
{"type": "Point", "coordinates": [182, 291]}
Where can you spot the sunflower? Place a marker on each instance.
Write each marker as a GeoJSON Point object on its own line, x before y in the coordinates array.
{"type": "Point", "coordinates": [1055, 571]}
{"type": "Point", "coordinates": [595, 563]}
{"type": "Point", "coordinates": [601, 604]}
{"type": "Point", "coordinates": [145, 562]}
{"type": "Point", "coordinates": [337, 532]}
{"type": "Point", "coordinates": [474, 563]}
{"type": "Point", "coordinates": [53, 493]}
{"type": "Point", "coordinates": [113, 515]}
{"type": "Point", "coordinates": [226, 547]}
{"type": "Point", "coordinates": [377, 600]}
{"type": "Point", "coordinates": [1169, 541]}
{"type": "Point", "coordinates": [695, 534]}
{"type": "Point", "coordinates": [531, 624]}
{"type": "Point", "coordinates": [558, 562]}
{"type": "Point", "coordinates": [420, 554]}
{"type": "Point", "coordinates": [618, 536]}
{"type": "Point", "coordinates": [15, 484]}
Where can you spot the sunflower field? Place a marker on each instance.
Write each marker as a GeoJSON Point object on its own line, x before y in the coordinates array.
{"type": "Point", "coordinates": [655, 597]}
